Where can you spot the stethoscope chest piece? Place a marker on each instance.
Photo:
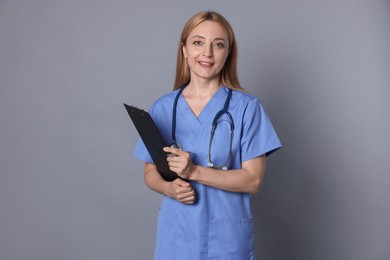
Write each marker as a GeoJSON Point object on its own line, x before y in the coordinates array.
{"type": "Point", "coordinates": [176, 145]}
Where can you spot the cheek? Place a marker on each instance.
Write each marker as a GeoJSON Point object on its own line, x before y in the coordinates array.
{"type": "Point", "coordinates": [223, 60]}
{"type": "Point", "coordinates": [226, 56]}
{"type": "Point", "coordinates": [193, 52]}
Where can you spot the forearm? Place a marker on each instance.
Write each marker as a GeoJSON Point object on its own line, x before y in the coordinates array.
{"type": "Point", "coordinates": [154, 180]}
{"type": "Point", "coordinates": [248, 179]}
{"type": "Point", "coordinates": [232, 180]}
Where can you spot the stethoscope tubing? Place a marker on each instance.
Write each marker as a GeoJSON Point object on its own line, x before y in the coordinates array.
{"type": "Point", "coordinates": [174, 143]}
{"type": "Point", "coordinates": [214, 124]}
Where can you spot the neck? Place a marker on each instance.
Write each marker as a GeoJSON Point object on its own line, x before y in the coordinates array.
{"type": "Point", "coordinates": [199, 88]}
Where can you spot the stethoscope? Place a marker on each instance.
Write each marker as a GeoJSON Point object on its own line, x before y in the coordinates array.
{"type": "Point", "coordinates": [214, 124]}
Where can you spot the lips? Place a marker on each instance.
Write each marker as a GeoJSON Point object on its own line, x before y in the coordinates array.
{"type": "Point", "coordinates": [205, 64]}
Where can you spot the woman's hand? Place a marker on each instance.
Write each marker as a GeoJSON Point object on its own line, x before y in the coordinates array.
{"type": "Point", "coordinates": [180, 162]}
{"type": "Point", "coordinates": [181, 191]}
{"type": "Point", "coordinates": [178, 189]}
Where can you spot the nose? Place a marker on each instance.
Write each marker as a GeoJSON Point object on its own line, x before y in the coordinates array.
{"type": "Point", "coordinates": [208, 50]}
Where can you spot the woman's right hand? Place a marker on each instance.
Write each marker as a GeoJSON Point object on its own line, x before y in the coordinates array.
{"type": "Point", "coordinates": [181, 191]}
{"type": "Point", "coordinates": [178, 189]}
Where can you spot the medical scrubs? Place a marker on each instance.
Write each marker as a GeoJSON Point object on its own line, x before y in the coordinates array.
{"type": "Point", "coordinates": [219, 225]}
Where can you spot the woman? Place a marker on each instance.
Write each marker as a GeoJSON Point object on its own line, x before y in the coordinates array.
{"type": "Point", "coordinates": [206, 213]}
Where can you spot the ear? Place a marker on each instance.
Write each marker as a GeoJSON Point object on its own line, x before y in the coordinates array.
{"type": "Point", "coordinates": [183, 48]}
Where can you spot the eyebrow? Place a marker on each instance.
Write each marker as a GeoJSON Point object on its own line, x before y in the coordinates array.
{"type": "Point", "coordinates": [199, 36]}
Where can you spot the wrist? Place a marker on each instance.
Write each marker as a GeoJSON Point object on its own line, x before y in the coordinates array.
{"type": "Point", "coordinates": [195, 173]}
{"type": "Point", "coordinates": [164, 188]}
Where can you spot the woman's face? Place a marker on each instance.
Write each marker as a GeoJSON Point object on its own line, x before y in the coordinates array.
{"type": "Point", "coordinates": [206, 50]}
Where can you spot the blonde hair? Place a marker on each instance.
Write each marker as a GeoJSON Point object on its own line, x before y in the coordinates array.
{"type": "Point", "coordinates": [228, 75]}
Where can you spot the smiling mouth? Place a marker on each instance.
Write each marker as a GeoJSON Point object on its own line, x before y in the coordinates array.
{"type": "Point", "coordinates": [205, 64]}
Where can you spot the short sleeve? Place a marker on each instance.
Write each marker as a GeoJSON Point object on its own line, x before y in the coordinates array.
{"type": "Point", "coordinates": [258, 134]}
{"type": "Point", "coordinates": [141, 152]}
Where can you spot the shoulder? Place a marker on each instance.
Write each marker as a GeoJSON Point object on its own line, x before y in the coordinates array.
{"type": "Point", "coordinates": [245, 96]}
{"type": "Point", "coordinates": [247, 105]}
{"type": "Point", "coordinates": [163, 105]}
{"type": "Point", "coordinates": [164, 101]}
{"type": "Point", "coordinates": [166, 98]}
{"type": "Point", "coordinates": [245, 99]}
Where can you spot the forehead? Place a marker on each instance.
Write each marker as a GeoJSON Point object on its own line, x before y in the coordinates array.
{"type": "Point", "coordinates": [209, 29]}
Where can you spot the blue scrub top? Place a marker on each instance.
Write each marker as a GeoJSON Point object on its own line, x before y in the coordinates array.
{"type": "Point", "coordinates": [219, 225]}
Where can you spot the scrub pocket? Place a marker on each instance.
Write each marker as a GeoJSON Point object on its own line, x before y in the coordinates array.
{"type": "Point", "coordinates": [231, 239]}
{"type": "Point", "coordinates": [165, 238]}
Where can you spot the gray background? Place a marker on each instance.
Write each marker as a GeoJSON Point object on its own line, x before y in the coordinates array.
{"type": "Point", "coordinates": [69, 186]}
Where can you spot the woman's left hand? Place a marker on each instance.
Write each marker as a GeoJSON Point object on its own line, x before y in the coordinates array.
{"type": "Point", "coordinates": [180, 162]}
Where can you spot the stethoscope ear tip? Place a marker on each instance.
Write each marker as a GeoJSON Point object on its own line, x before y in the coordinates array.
{"type": "Point", "coordinates": [211, 165]}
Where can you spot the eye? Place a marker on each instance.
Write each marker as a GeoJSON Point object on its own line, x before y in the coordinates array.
{"type": "Point", "coordinates": [220, 45]}
{"type": "Point", "coordinates": [197, 43]}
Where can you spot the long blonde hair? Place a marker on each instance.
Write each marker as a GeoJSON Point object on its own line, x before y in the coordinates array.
{"type": "Point", "coordinates": [228, 75]}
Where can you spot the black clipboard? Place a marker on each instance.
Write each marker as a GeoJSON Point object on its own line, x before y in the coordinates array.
{"type": "Point", "coordinates": [152, 139]}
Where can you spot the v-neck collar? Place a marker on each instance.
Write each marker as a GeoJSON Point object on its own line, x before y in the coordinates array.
{"type": "Point", "coordinates": [208, 112]}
